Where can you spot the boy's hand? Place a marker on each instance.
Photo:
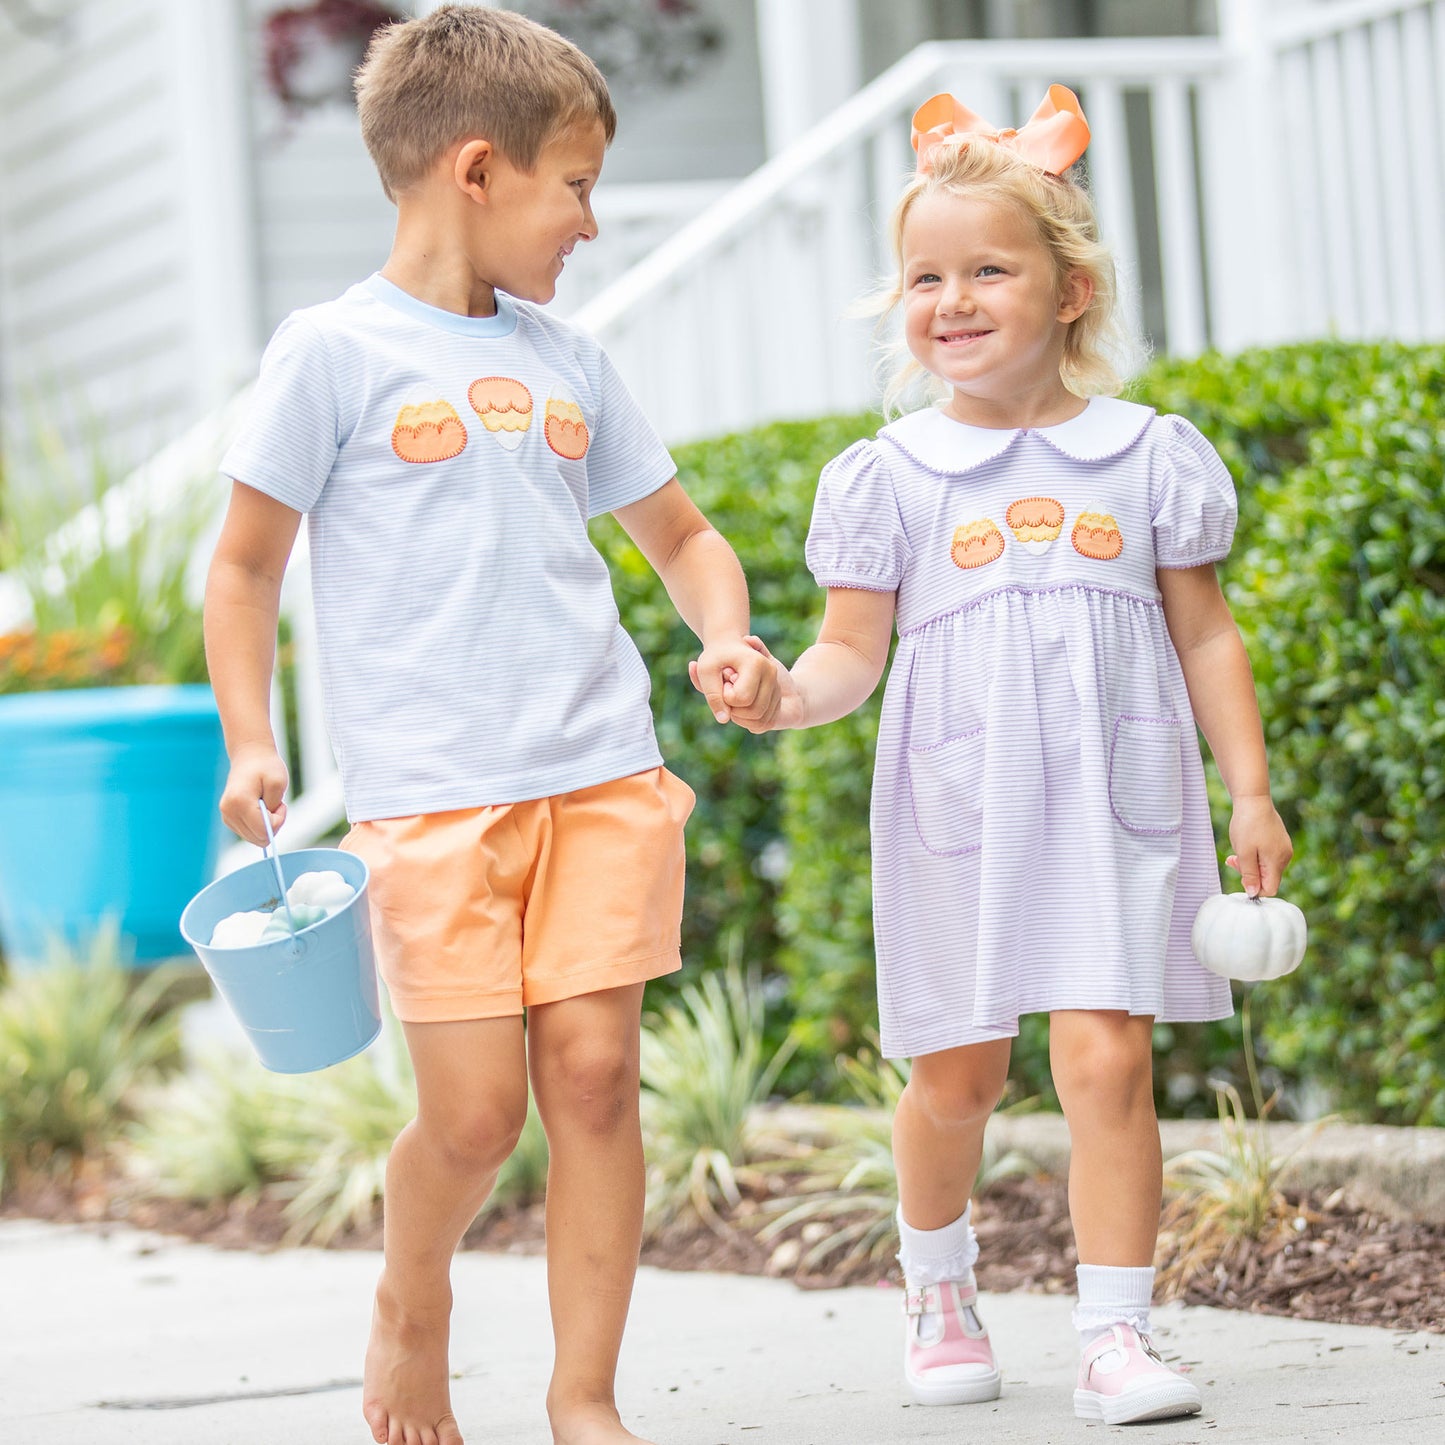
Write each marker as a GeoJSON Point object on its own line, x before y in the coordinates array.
{"type": "Point", "coordinates": [739, 678]}
{"type": "Point", "coordinates": [754, 694]}
{"type": "Point", "coordinates": [762, 696]}
{"type": "Point", "coordinates": [1262, 848]}
{"type": "Point", "coordinates": [256, 772]}
{"type": "Point", "coordinates": [716, 668]}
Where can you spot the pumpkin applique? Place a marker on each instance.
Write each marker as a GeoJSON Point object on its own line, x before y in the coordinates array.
{"type": "Point", "coordinates": [505, 407]}
{"type": "Point", "coordinates": [565, 428]}
{"type": "Point", "coordinates": [430, 431]}
{"type": "Point", "coordinates": [976, 544]}
{"type": "Point", "coordinates": [1251, 939]}
{"type": "Point", "coordinates": [1097, 535]}
{"type": "Point", "coordinates": [1035, 522]}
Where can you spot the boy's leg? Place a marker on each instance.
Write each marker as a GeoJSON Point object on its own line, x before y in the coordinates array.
{"type": "Point", "coordinates": [471, 1080]}
{"type": "Point", "coordinates": [583, 1057]}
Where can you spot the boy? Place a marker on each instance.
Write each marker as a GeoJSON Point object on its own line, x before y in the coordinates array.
{"type": "Point", "coordinates": [489, 715]}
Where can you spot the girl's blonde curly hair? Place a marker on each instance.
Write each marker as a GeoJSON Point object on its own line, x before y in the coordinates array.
{"type": "Point", "coordinates": [1100, 352]}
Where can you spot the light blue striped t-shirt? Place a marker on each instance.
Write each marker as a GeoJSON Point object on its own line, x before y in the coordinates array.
{"type": "Point", "coordinates": [470, 644]}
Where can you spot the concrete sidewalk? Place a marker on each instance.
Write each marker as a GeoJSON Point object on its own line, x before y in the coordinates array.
{"type": "Point", "coordinates": [109, 1337]}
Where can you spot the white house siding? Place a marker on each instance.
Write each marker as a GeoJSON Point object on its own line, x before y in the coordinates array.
{"type": "Point", "coordinates": [121, 316]}
{"type": "Point", "coordinates": [92, 266]}
{"type": "Point", "coordinates": [706, 129]}
{"type": "Point", "coordinates": [323, 222]}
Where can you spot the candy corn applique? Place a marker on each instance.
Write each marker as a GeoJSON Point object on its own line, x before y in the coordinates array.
{"type": "Point", "coordinates": [565, 428]}
{"type": "Point", "coordinates": [977, 543]}
{"type": "Point", "coordinates": [1035, 522]}
{"type": "Point", "coordinates": [428, 431]}
{"type": "Point", "coordinates": [505, 407]}
{"type": "Point", "coordinates": [1097, 535]}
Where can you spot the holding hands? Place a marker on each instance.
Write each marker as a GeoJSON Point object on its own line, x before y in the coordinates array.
{"type": "Point", "coordinates": [742, 682]}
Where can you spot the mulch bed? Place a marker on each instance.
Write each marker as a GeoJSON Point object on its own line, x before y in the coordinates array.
{"type": "Point", "coordinates": [1325, 1261]}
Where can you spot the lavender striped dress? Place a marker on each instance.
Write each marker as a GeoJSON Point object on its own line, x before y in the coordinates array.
{"type": "Point", "coordinates": [1041, 836]}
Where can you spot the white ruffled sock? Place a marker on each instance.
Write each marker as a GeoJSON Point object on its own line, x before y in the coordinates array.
{"type": "Point", "coordinates": [1112, 1295]}
{"type": "Point", "coordinates": [932, 1256]}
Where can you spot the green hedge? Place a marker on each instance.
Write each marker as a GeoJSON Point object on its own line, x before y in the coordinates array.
{"type": "Point", "coordinates": [1341, 597]}
{"type": "Point", "coordinates": [1338, 582]}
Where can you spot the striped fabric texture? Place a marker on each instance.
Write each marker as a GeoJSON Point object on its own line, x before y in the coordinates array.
{"type": "Point", "coordinates": [447, 465]}
{"type": "Point", "coordinates": [1041, 835]}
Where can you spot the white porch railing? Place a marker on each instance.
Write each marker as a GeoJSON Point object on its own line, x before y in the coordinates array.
{"type": "Point", "coordinates": [1282, 182]}
{"type": "Point", "coordinates": [634, 220]}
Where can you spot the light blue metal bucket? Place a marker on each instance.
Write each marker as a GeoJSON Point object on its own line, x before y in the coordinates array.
{"type": "Point", "coordinates": [306, 1000]}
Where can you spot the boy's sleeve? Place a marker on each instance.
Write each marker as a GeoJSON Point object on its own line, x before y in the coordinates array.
{"type": "Point", "coordinates": [289, 439]}
{"type": "Point", "coordinates": [626, 460]}
{"type": "Point", "coordinates": [1191, 499]}
{"type": "Point", "coordinates": [857, 537]}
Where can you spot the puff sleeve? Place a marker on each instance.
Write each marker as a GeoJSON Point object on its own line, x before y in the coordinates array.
{"type": "Point", "coordinates": [857, 537]}
{"type": "Point", "coordinates": [1191, 498]}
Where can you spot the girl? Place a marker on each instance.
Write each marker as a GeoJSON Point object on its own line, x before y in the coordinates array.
{"type": "Point", "coordinates": [1041, 837]}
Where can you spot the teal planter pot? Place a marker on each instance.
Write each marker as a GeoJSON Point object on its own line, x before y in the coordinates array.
{"type": "Point", "coordinates": [107, 811]}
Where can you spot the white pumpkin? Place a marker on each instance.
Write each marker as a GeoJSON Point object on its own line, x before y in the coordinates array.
{"type": "Point", "coordinates": [240, 930]}
{"type": "Point", "coordinates": [1251, 939]}
{"type": "Point", "coordinates": [321, 888]}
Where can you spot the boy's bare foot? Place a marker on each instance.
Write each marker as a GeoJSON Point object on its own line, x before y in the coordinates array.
{"type": "Point", "coordinates": [405, 1394]}
{"type": "Point", "coordinates": [591, 1424]}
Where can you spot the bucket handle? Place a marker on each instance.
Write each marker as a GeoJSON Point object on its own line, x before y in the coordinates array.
{"type": "Point", "coordinates": [269, 851]}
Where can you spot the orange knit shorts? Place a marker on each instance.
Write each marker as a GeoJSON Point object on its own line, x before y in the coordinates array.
{"type": "Point", "coordinates": [482, 912]}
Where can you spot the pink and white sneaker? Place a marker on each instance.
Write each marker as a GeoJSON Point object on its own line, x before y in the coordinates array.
{"type": "Point", "coordinates": [947, 1359]}
{"type": "Point", "coordinates": [1122, 1380]}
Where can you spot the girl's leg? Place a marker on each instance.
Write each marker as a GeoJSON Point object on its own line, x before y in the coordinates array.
{"type": "Point", "coordinates": [1103, 1069]}
{"type": "Point", "coordinates": [938, 1129]}
{"type": "Point", "coordinates": [937, 1146]}
{"type": "Point", "coordinates": [471, 1080]}
{"type": "Point", "coordinates": [583, 1057]}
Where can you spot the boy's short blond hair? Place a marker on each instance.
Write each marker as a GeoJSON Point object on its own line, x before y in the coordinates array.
{"type": "Point", "coordinates": [468, 70]}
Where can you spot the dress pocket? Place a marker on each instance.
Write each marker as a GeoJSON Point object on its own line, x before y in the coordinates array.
{"type": "Point", "coordinates": [1146, 788]}
{"type": "Point", "coordinates": [946, 784]}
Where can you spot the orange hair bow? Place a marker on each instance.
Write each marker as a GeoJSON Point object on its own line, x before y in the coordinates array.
{"type": "Point", "coordinates": [1053, 137]}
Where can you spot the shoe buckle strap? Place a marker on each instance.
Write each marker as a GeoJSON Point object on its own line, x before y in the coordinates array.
{"type": "Point", "coordinates": [1115, 1342]}
{"type": "Point", "coordinates": [923, 1301]}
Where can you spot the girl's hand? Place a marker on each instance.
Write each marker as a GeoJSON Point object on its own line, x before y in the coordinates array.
{"type": "Point", "coordinates": [1262, 848]}
{"type": "Point", "coordinates": [256, 772]}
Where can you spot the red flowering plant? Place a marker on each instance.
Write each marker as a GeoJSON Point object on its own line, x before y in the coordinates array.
{"type": "Point", "coordinates": [311, 51]}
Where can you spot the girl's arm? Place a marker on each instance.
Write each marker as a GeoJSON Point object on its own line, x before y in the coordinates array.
{"type": "Point", "coordinates": [839, 671]}
{"type": "Point", "coordinates": [705, 581]}
{"type": "Point", "coordinates": [1221, 693]}
{"type": "Point", "coordinates": [243, 599]}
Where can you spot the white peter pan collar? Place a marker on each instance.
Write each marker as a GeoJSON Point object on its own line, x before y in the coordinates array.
{"type": "Point", "coordinates": [1105, 427]}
